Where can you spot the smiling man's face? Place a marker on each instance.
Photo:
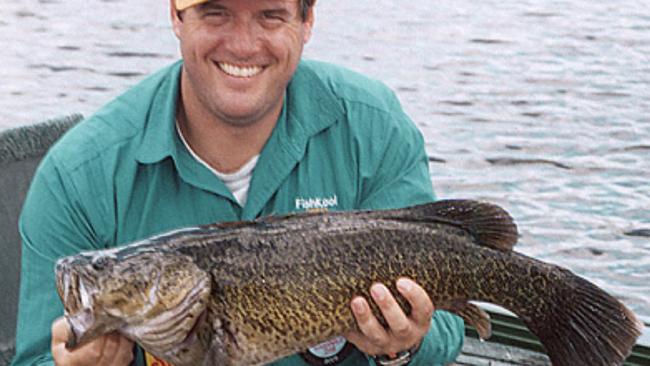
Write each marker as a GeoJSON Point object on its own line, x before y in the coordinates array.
{"type": "Point", "coordinates": [239, 55]}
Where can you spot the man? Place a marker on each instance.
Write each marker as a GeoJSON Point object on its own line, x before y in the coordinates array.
{"type": "Point", "coordinates": [241, 128]}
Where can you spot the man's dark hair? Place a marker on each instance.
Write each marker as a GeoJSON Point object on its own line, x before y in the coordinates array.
{"type": "Point", "coordinates": [304, 7]}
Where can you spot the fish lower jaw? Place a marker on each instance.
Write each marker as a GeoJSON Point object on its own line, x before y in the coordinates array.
{"type": "Point", "coordinates": [85, 326]}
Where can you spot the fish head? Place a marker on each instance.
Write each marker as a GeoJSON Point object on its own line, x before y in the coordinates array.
{"type": "Point", "coordinates": [153, 297]}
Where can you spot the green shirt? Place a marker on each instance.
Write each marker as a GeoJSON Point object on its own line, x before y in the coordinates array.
{"type": "Point", "coordinates": [342, 142]}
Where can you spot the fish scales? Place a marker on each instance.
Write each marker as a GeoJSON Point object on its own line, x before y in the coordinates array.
{"type": "Point", "coordinates": [249, 293]}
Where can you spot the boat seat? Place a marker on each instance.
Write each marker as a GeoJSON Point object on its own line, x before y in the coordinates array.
{"type": "Point", "coordinates": [21, 149]}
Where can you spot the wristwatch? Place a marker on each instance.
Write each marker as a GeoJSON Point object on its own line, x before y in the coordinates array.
{"type": "Point", "coordinates": [400, 359]}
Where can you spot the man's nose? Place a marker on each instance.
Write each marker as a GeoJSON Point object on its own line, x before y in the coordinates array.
{"type": "Point", "coordinates": [243, 39]}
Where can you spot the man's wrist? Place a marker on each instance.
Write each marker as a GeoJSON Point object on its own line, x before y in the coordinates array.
{"type": "Point", "coordinates": [400, 359]}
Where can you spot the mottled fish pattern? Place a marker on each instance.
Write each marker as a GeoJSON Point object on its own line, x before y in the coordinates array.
{"type": "Point", "coordinates": [249, 293]}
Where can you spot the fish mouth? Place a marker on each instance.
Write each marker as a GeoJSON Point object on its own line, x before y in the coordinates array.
{"type": "Point", "coordinates": [76, 292]}
{"type": "Point", "coordinates": [86, 326]}
{"type": "Point", "coordinates": [78, 317]}
{"type": "Point", "coordinates": [66, 283]}
{"type": "Point", "coordinates": [79, 324]}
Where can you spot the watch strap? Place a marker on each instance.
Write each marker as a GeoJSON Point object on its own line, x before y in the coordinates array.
{"type": "Point", "coordinates": [400, 359]}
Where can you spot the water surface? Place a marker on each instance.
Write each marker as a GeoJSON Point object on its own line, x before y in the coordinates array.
{"type": "Point", "coordinates": [540, 106]}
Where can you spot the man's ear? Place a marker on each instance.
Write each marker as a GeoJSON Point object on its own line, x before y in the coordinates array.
{"type": "Point", "coordinates": [177, 21]}
{"type": "Point", "coordinates": [308, 23]}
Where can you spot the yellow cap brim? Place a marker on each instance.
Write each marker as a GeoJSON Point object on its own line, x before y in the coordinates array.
{"type": "Point", "coordinates": [184, 4]}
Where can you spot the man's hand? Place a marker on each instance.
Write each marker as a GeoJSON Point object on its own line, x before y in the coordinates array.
{"type": "Point", "coordinates": [403, 332]}
{"type": "Point", "coordinates": [112, 349]}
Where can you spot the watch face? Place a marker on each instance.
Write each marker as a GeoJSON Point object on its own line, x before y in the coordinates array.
{"type": "Point", "coordinates": [401, 359]}
{"type": "Point", "coordinates": [329, 348]}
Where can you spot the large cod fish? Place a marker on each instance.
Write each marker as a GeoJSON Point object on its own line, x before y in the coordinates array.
{"type": "Point", "coordinates": [249, 293]}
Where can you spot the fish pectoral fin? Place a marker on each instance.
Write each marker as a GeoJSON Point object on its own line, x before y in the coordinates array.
{"type": "Point", "coordinates": [474, 316]}
{"type": "Point", "coordinates": [215, 356]}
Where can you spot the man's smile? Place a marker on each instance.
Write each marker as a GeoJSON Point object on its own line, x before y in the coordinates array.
{"type": "Point", "coordinates": [240, 71]}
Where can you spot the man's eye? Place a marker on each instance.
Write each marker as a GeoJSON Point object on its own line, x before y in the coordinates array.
{"type": "Point", "coordinates": [273, 16]}
{"type": "Point", "coordinates": [215, 13]}
{"type": "Point", "coordinates": [215, 17]}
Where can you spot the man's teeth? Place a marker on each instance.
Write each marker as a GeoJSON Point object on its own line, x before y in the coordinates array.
{"type": "Point", "coordinates": [240, 72]}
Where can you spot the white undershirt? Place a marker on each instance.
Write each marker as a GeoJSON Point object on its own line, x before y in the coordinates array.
{"type": "Point", "coordinates": [237, 182]}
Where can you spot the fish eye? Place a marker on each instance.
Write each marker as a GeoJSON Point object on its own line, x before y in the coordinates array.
{"type": "Point", "coordinates": [99, 263]}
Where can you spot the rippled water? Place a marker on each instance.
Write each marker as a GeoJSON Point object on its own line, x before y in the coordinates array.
{"type": "Point", "coordinates": [541, 106]}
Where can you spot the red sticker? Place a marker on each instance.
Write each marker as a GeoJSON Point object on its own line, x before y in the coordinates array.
{"type": "Point", "coordinates": [155, 361]}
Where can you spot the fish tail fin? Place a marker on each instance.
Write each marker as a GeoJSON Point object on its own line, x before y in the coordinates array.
{"type": "Point", "coordinates": [586, 326]}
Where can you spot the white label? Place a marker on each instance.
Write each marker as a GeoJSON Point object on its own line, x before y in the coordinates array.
{"type": "Point", "coordinates": [316, 203]}
{"type": "Point", "coordinates": [329, 348]}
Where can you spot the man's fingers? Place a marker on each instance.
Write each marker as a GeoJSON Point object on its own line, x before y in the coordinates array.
{"type": "Point", "coordinates": [398, 322]}
{"type": "Point", "coordinates": [362, 343]}
{"type": "Point", "coordinates": [118, 350]}
{"type": "Point", "coordinates": [422, 307]}
{"type": "Point", "coordinates": [125, 355]}
{"type": "Point", "coordinates": [60, 331]}
{"type": "Point", "coordinates": [110, 348]}
{"type": "Point", "coordinates": [60, 334]}
{"type": "Point", "coordinates": [403, 331]}
{"type": "Point", "coordinates": [368, 323]}
{"type": "Point", "coordinates": [87, 354]}
{"type": "Point", "coordinates": [59, 354]}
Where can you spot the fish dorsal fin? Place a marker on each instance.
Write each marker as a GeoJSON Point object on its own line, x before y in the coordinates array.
{"type": "Point", "coordinates": [488, 223]}
{"type": "Point", "coordinates": [260, 221]}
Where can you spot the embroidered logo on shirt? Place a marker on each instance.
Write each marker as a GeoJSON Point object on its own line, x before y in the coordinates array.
{"type": "Point", "coordinates": [316, 203]}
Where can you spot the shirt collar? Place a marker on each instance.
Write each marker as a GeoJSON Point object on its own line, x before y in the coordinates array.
{"type": "Point", "coordinates": [160, 140]}
{"type": "Point", "coordinates": [312, 103]}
